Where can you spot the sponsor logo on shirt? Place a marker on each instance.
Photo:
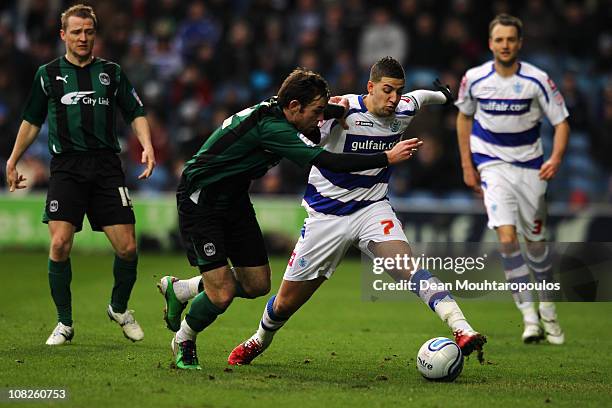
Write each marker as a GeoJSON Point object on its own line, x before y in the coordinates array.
{"type": "Point", "coordinates": [505, 106]}
{"type": "Point", "coordinates": [73, 98]}
{"type": "Point", "coordinates": [369, 144]}
{"type": "Point", "coordinates": [364, 123]}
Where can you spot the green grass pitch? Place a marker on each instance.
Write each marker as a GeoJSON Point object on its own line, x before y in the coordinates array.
{"type": "Point", "coordinates": [337, 351]}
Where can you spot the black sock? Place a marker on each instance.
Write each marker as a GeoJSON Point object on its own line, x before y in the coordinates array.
{"type": "Point", "coordinates": [60, 276]}
{"type": "Point", "coordinates": [125, 277]}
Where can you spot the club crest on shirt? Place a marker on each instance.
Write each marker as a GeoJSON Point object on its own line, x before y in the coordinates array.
{"type": "Point", "coordinates": [303, 262]}
{"type": "Point", "coordinates": [104, 78]}
{"type": "Point", "coordinates": [395, 125]}
{"type": "Point", "coordinates": [517, 87]}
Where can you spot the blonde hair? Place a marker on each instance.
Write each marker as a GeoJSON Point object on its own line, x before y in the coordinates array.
{"type": "Point", "coordinates": [79, 10]}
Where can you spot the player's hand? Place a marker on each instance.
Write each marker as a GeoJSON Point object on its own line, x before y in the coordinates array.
{"type": "Point", "coordinates": [445, 89]}
{"type": "Point", "coordinates": [148, 158]}
{"type": "Point", "coordinates": [471, 178]}
{"type": "Point", "coordinates": [403, 150]}
{"type": "Point", "coordinates": [13, 178]}
{"type": "Point", "coordinates": [549, 169]}
{"type": "Point", "coordinates": [339, 100]}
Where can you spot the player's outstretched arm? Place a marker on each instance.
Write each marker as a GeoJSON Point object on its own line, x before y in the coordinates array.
{"type": "Point", "coordinates": [440, 96]}
{"type": "Point", "coordinates": [550, 168]}
{"type": "Point", "coordinates": [140, 126]}
{"type": "Point", "coordinates": [25, 136]}
{"type": "Point", "coordinates": [471, 178]}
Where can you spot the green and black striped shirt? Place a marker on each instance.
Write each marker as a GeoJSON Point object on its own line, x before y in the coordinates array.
{"type": "Point", "coordinates": [246, 145]}
{"type": "Point", "coordinates": [81, 103]}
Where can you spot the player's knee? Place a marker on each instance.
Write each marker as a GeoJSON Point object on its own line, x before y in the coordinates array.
{"type": "Point", "coordinates": [127, 252]}
{"type": "Point", "coordinates": [60, 248]}
{"type": "Point", "coordinates": [256, 289]}
{"type": "Point", "coordinates": [221, 297]}
{"type": "Point", "coordinates": [508, 239]}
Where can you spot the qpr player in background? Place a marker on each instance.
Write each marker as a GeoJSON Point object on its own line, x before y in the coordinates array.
{"type": "Point", "coordinates": [501, 103]}
{"type": "Point", "coordinates": [79, 95]}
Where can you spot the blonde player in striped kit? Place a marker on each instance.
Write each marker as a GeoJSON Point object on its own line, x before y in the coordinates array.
{"type": "Point", "coordinates": [501, 103]}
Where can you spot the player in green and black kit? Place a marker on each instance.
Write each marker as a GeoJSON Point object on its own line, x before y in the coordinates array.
{"type": "Point", "coordinates": [79, 94]}
{"type": "Point", "coordinates": [216, 217]}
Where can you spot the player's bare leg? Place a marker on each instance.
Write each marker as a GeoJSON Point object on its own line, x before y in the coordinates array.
{"type": "Point", "coordinates": [516, 271]}
{"type": "Point", "coordinates": [440, 301]}
{"type": "Point", "coordinates": [290, 297]}
{"type": "Point", "coordinates": [253, 282]}
{"type": "Point", "coordinates": [539, 259]}
{"type": "Point", "coordinates": [222, 286]}
{"type": "Point", "coordinates": [60, 276]}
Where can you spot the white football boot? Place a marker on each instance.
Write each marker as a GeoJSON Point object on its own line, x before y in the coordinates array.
{"type": "Point", "coordinates": [61, 334]}
{"type": "Point", "coordinates": [552, 329]}
{"type": "Point", "coordinates": [532, 334]}
{"type": "Point", "coordinates": [129, 325]}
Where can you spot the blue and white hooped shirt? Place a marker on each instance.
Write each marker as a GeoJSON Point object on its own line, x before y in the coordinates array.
{"type": "Point", "coordinates": [328, 192]}
{"type": "Point", "coordinates": [507, 113]}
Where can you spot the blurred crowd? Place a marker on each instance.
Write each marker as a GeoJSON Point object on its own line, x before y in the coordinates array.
{"type": "Point", "coordinates": [196, 62]}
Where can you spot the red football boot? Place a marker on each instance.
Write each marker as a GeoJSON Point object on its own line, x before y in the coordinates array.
{"type": "Point", "coordinates": [468, 341]}
{"type": "Point", "coordinates": [245, 352]}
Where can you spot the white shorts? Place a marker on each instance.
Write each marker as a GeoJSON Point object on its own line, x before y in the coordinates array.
{"type": "Point", "coordinates": [326, 238]}
{"type": "Point", "coordinates": [515, 196]}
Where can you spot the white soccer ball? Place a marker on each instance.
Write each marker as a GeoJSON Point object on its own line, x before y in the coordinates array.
{"type": "Point", "coordinates": [440, 359]}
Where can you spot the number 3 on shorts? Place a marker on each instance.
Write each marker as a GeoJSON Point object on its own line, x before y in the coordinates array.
{"type": "Point", "coordinates": [538, 227]}
{"type": "Point", "coordinates": [387, 225]}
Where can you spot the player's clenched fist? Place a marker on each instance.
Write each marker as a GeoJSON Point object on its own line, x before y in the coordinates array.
{"type": "Point", "coordinates": [403, 150]}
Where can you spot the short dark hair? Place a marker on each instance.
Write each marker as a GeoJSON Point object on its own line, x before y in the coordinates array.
{"type": "Point", "coordinates": [304, 86]}
{"type": "Point", "coordinates": [386, 67]}
{"type": "Point", "coordinates": [79, 10]}
{"type": "Point", "coordinates": [507, 20]}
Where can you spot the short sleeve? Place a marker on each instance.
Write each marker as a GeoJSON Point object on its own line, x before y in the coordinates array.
{"type": "Point", "coordinates": [128, 100]}
{"type": "Point", "coordinates": [465, 103]}
{"type": "Point", "coordinates": [285, 141]}
{"type": "Point", "coordinates": [35, 111]}
{"type": "Point", "coordinates": [552, 103]}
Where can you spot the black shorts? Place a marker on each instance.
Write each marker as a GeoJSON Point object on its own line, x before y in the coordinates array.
{"type": "Point", "coordinates": [221, 226]}
{"type": "Point", "coordinates": [89, 183]}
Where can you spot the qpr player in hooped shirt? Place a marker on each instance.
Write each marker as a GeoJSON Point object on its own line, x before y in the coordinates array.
{"type": "Point", "coordinates": [501, 103]}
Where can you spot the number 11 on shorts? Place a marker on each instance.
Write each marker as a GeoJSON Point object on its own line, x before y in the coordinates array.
{"type": "Point", "coordinates": [387, 225]}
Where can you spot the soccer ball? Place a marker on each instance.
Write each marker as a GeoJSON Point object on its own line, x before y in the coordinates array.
{"type": "Point", "coordinates": [440, 359]}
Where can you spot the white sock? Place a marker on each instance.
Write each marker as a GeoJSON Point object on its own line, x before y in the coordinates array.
{"type": "Point", "coordinates": [269, 324]}
{"type": "Point", "coordinates": [529, 313]}
{"type": "Point", "coordinates": [263, 336]}
{"type": "Point", "coordinates": [185, 333]}
{"type": "Point", "coordinates": [548, 311]}
{"type": "Point", "coordinates": [451, 314]}
{"type": "Point", "coordinates": [186, 289]}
